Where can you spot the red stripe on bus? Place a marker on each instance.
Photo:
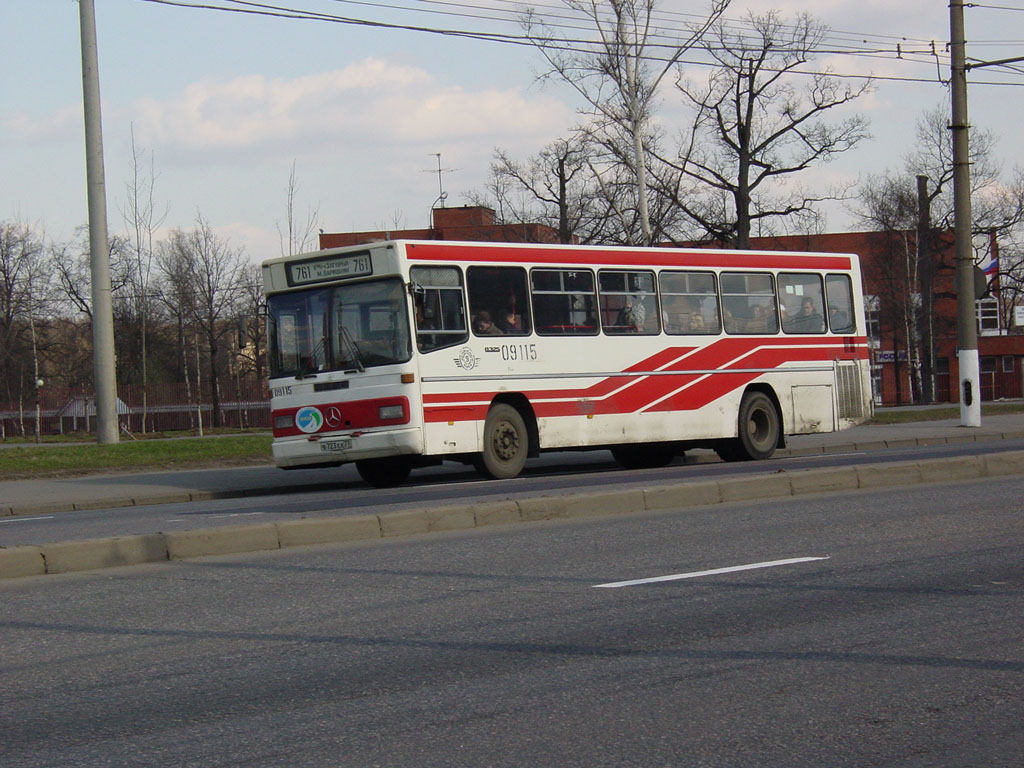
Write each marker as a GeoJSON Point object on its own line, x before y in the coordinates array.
{"type": "Point", "coordinates": [635, 259]}
{"type": "Point", "coordinates": [658, 393]}
{"type": "Point", "coordinates": [711, 357]}
{"type": "Point", "coordinates": [599, 389]}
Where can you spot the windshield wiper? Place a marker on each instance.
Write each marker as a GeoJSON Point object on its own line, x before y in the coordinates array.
{"type": "Point", "coordinates": [306, 365]}
{"type": "Point", "coordinates": [350, 343]}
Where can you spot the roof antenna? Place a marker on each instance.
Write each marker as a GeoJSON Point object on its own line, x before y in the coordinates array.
{"type": "Point", "coordinates": [441, 194]}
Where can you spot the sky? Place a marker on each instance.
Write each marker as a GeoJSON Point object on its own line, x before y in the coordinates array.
{"type": "Point", "coordinates": [224, 105]}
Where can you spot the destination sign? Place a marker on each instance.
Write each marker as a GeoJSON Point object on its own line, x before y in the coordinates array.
{"type": "Point", "coordinates": [328, 268]}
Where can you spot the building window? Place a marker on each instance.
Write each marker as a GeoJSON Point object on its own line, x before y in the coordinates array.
{"type": "Point", "coordinates": [1008, 365]}
{"type": "Point", "coordinates": [872, 314]}
{"type": "Point", "coordinates": [942, 366]}
{"type": "Point", "coordinates": [988, 364]}
{"type": "Point", "coordinates": [987, 311]}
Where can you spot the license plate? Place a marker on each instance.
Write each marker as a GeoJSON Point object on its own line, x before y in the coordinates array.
{"type": "Point", "coordinates": [335, 445]}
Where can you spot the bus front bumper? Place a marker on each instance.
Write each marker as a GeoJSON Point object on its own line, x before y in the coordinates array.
{"type": "Point", "coordinates": [304, 451]}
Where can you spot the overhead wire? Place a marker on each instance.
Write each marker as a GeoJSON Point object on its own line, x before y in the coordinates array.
{"type": "Point", "coordinates": [517, 20]}
{"type": "Point", "coordinates": [929, 54]}
{"type": "Point", "coordinates": [584, 22]}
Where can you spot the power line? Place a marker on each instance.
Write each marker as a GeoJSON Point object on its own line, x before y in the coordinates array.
{"type": "Point", "coordinates": [929, 56]}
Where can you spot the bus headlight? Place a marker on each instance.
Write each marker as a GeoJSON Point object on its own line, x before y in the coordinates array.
{"type": "Point", "coordinates": [390, 412]}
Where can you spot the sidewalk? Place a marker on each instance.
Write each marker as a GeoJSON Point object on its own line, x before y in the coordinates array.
{"type": "Point", "coordinates": [48, 495]}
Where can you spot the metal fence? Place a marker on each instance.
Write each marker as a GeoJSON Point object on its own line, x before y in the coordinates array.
{"type": "Point", "coordinates": [161, 408]}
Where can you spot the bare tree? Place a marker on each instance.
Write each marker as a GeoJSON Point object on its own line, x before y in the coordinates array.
{"type": "Point", "coordinates": [141, 220]}
{"type": "Point", "coordinates": [24, 291]}
{"type": "Point", "coordinates": [203, 275]}
{"type": "Point", "coordinates": [758, 120]}
{"type": "Point", "coordinates": [997, 205]}
{"type": "Point", "coordinates": [252, 321]}
{"type": "Point", "coordinates": [70, 263]}
{"type": "Point", "coordinates": [619, 76]}
{"type": "Point", "coordinates": [890, 205]}
{"type": "Point", "coordinates": [554, 188]}
{"type": "Point", "coordinates": [297, 236]}
{"type": "Point", "coordinates": [177, 296]}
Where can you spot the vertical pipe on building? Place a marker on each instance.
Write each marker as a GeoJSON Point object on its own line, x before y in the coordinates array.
{"type": "Point", "coordinates": [967, 330]}
{"type": "Point", "coordinates": [102, 305]}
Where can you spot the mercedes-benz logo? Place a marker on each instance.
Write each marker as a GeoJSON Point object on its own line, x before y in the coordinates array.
{"type": "Point", "coordinates": [333, 417]}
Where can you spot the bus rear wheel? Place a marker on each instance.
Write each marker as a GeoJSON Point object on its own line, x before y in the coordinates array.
{"type": "Point", "coordinates": [643, 456]}
{"type": "Point", "coordinates": [384, 473]}
{"type": "Point", "coordinates": [758, 430]}
{"type": "Point", "coordinates": [506, 444]}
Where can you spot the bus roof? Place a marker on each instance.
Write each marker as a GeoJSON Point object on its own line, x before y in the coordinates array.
{"type": "Point", "coordinates": [594, 255]}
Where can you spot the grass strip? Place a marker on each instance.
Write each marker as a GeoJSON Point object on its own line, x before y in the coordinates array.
{"type": "Point", "coordinates": [21, 460]}
{"type": "Point", "coordinates": [938, 414]}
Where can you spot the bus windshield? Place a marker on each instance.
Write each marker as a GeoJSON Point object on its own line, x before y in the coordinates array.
{"type": "Point", "coordinates": [354, 326]}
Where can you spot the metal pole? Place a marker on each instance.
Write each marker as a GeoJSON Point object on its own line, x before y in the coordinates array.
{"type": "Point", "coordinates": [926, 276]}
{"type": "Point", "coordinates": [104, 375]}
{"type": "Point", "coordinates": [967, 329]}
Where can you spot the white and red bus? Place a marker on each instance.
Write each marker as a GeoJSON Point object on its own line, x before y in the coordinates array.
{"type": "Point", "coordinates": [400, 354]}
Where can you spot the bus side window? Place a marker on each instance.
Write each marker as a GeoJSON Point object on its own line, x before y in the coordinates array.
{"type": "Point", "coordinates": [440, 307]}
{"type": "Point", "coordinates": [689, 303]}
{"type": "Point", "coordinates": [804, 302]}
{"type": "Point", "coordinates": [839, 294]}
{"type": "Point", "coordinates": [748, 303]}
{"type": "Point", "coordinates": [564, 302]}
{"type": "Point", "coordinates": [629, 303]}
{"type": "Point", "coordinates": [499, 293]}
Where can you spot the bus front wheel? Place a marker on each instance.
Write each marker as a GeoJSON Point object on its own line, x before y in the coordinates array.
{"type": "Point", "coordinates": [506, 443]}
{"type": "Point", "coordinates": [758, 430]}
{"type": "Point", "coordinates": [384, 473]}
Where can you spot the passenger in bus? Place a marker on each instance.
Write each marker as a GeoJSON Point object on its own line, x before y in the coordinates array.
{"type": "Point", "coordinates": [511, 324]}
{"type": "Point", "coordinates": [484, 325]}
{"type": "Point", "coordinates": [838, 320]}
{"type": "Point", "coordinates": [673, 313]}
{"type": "Point", "coordinates": [808, 319]}
{"type": "Point", "coordinates": [733, 324]}
{"type": "Point", "coordinates": [632, 315]}
{"type": "Point", "coordinates": [760, 321]}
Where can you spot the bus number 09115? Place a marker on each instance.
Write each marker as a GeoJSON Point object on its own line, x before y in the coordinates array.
{"type": "Point", "coordinates": [511, 352]}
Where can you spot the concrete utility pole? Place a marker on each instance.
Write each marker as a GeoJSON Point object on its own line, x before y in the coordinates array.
{"type": "Point", "coordinates": [967, 329]}
{"type": "Point", "coordinates": [104, 375]}
{"type": "Point", "coordinates": [926, 276]}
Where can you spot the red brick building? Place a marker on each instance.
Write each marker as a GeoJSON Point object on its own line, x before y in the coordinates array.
{"type": "Point", "coordinates": [471, 222]}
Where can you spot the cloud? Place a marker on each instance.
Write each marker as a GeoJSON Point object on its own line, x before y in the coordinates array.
{"type": "Point", "coordinates": [370, 103]}
{"type": "Point", "coordinates": [64, 124]}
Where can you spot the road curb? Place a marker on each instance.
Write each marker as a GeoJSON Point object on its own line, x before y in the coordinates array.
{"type": "Point", "coordinates": [94, 554]}
{"type": "Point", "coordinates": [168, 497]}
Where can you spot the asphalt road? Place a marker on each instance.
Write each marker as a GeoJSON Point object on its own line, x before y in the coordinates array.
{"type": "Point", "coordinates": [554, 474]}
{"type": "Point", "coordinates": [899, 644]}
